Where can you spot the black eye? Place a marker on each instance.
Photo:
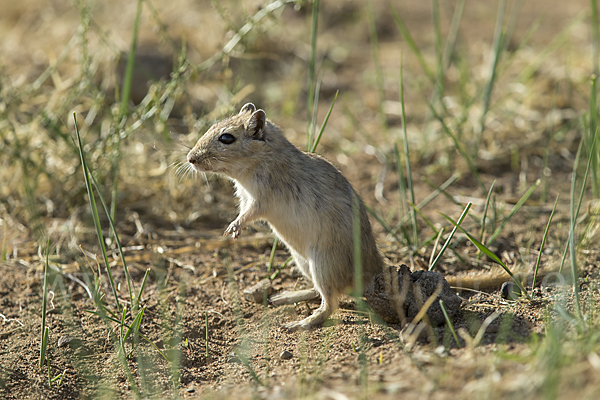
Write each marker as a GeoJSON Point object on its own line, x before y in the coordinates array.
{"type": "Point", "coordinates": [227, 138]}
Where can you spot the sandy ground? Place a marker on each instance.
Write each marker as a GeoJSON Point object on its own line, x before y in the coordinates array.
{"type": "Point", "coordinates": [215, 343]}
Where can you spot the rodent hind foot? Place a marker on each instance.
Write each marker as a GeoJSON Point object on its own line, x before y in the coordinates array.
{"type": "Point", "coordinates": [314, 321]}
{"type": "Point", "coordinates": [298, 296]}
{"type": "Point", "coordinates": [295, 327]}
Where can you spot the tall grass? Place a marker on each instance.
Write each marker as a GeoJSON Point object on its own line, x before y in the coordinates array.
{"type": "Point", "coordinates": [409, 182]}
{"type": "Point", "coordinates": [123, 319]}
{"type": "Point", "coordinates": [544, 238]}
{"type": "Point", "coordinates": [512, 212]}
{"type": "Point", "coordinates": [591, 132]}
{"type": "Point", "coordinates": [311, 71]}
{"type": "Point", "coordinates": [95, 215]}
{"type": "Point", "coordinates": [377, 64]}
{"type": "Point", "coordinates": [497, 47]}
{"type": "Point", "coordinates": [456, 226]}
{"type": "Point", "coordinates": [123, 111]}
{"type": "Point", "coordinates": [44, 328]}
{"type": "Point", "coordinates": [121, 314]}
{"type": "Point", "coordinates": [575, 205]}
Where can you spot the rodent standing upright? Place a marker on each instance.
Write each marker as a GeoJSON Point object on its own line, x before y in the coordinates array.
{"type": "Point", "coordinates": [307, 202]}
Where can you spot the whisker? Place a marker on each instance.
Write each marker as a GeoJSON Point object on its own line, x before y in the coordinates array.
{"type": "Point", "coordinates": [190, 171]}
{"type": "Point", "coordinates": [175, 164]}
{"type": "Point", "coordinates": [185, 146]}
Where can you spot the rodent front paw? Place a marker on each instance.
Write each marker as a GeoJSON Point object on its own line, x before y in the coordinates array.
{"type": "Point", "coordinates": [234, 229]}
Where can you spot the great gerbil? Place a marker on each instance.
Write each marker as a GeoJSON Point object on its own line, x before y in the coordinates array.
{"type": "Point", "coordinates": [307, 202]}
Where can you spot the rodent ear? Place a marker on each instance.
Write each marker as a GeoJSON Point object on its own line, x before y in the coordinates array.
{"type": "Point", "coordinates": [248, 107]}
{"type": "Point", "coordinates": [256, 124]}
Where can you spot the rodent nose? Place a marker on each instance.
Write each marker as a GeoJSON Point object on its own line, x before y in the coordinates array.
{"type": "Point", "coordinates": [191, 158]}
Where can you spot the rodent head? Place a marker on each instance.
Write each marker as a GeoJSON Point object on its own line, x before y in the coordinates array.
{"type": "Point", "coordinates": [232, 145]}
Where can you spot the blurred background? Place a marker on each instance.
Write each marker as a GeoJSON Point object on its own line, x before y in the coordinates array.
{"type": "Point", "coordinates": [493, 91]}
{"type": "Point", "coordinates": [439, 104]}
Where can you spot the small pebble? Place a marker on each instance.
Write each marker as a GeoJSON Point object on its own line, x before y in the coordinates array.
{"type": "Point", "coordinates": [285, 355]}
{"type": "Point", "coordinates": [440, 351]}
{"type": "Point", "coordinates": [256, 293]}
{"type": "Point", "coordinates": [510, 291]}
{"type": "Point", "coordinates": [64, 340]}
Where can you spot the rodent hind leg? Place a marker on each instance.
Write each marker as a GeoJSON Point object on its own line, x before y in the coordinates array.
{"type": "Point", "coordinates": [294, 297]}
{"type": "Point", "coordinates": [318, 316]}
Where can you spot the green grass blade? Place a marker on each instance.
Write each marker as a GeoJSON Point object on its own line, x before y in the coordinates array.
{"type": "Point", "coordinates": [142, 286]}
{"type": "Point", "coordinates": [402, 198]}
{"type": "Point", "coordinates": [421, 205]}
{"type": "Point", "coordinates": [383, 223]}
{"type": "Point", "coordinates": [285, 264]}
{"type": "Point", "coordinates": [117, 321]}
{"type": "Point", "coordinates": [411, 43]}
{"type": "Point", "coordinates": [567, 245]}
{"type": "Point", "coordinates": [590, 135]}
{"type": "Point", "coordinates": [592, 154]}
{"type": "Point", "coordinates": [44, 329]}
{"type": "Point", "coordinates": [453, 34]}
{"type": "Point", "coordinates": [511, 25]}
{"type": "Point", "coordinates": [272, 255]}
{"type": "Point", "coordinates": [573, 220]}
{"type": "Point", "coordinates": [490, 254]}
{"type": "Point", "coordinates": [409, 182]}
{"type": "Point", "coordinates": [512, 212]}
{"type": "Point", "coordinates": [113, 228]}
{"type": "Point", "coordinates": [126, 94]}
{"type": "Point", "coordinates": [318, 138]}
{"type": "Point", "coordinates": [427, 220]}
{"type": "Point", "coordinates": [457, 225]}
{"type": "Point", "coordinates": [595, 37]}
{"type": "Point", "coordinates": [377, 64]}
{"type": "Point", "coordinates": [206, 334]}
{"type": "Point", "coordinates": [485, 209]}
{"type": "Point", "coordinates": [539, 257]}
{"type": "Point", "coordinates": [122, 325]}
{"type": "Point", "coordinates": [94, 209]}
{"type": "Point", "coordinates": [560, 41]}
{"type": "Point", "coordinates": [566, 315]}
{"type": "Point", "coordinates": [311, 66]}
{"type": "Point", "coordinates": [435, 244]}
{"type": "Point", "coordinates": [458, 146]}
{"type": "Point", "coordinates": [497, 47]}
{"type": "Point", "coordinates": [49, 373]}
{"type": "Point", "coordinates": [437, 34]}
{"type": "Point", "coordinates": [565, 251]}
{"type": "Point", "coordinates": [449, 323]}
{"type": "Point", "coordinates": [312, 126]}
{"type": "Point", "coordinates": [357, 246]}
{"type": "Point", "coordinates": [127, 80]}
{"type": "Point", "coordinates": [135, 324]}
{"type": "Point", "coordinates": [4, 243]}
{"type": "Point", "coordinates": [439, 190]}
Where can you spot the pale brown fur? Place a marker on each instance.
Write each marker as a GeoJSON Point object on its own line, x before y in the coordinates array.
{"type": "Point", "coordinates": [307, 202]}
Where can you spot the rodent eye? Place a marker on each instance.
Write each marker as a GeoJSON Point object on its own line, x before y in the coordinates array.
{"type": "Point", "coordinates": [227, 138]}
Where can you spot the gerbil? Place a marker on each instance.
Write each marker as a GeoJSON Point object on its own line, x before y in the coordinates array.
{"type": "Point", "coordinates": [307, 202]}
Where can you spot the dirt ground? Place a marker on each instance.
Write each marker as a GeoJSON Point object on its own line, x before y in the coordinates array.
{"type": "Point", "coordinates": [220, 345]}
